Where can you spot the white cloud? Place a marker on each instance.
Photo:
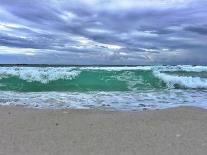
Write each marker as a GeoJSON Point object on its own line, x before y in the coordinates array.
{"type": "Point", "coordinates": [129, 4]}
{"type": "Point", "coordinates": [97, 30]}
{"type": "Point", "coordinates": [67, 16]}
{"type": "Point", "coordinates": [83, 42]}
{"type": "Point", "coordinates": [14, 50]}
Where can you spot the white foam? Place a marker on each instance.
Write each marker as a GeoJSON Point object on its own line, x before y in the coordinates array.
{"type": "Point", "coordinates": [118, 68]}
{"type": "Point", "coordinates": [185, 68]}
{"type": "Point", "coordinates": [184, 81]}
{"type": "Point", "coordinates": [43, 75]}
{"type": "Point", "coordinates": [106, 100]}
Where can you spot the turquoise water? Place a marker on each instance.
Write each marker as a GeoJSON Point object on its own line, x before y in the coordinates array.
{"type": "Point", "coordinates": [82, 80]}
{"type": "Point", "coordinates": [119, 88]}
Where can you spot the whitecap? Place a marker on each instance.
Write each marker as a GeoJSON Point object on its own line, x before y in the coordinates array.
{"type": "Point", "coordinates": [183, 81]}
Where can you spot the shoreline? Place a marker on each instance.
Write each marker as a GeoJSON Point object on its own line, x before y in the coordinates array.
{"type": "Point", "coordinates": [30, 131]}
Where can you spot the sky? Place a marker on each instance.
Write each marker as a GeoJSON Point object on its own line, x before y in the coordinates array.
{"type": "Point", "coordinates": [107, 32]}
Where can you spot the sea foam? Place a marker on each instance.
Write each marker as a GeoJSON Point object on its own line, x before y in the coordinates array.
{"type": "Point", "coordinates": [183, 81]}
{"type": "Point", "coordinates": [43, 75]}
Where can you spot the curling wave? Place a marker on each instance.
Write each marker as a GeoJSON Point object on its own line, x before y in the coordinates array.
{"type": "Point", "coordinates": [38, 79]}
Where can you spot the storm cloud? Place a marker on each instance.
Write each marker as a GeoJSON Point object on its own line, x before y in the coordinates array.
{"type": "Point", "coordinates": [110, 32]}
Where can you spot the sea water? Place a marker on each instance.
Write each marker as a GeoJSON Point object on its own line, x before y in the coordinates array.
{"type": "Point", "coordinates": [113, 88]}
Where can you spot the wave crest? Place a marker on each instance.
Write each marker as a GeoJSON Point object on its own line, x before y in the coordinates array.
{"type": "Point", "coordinates": [183, 81]}
{"type": "Point", "coordinates": [103, 78]}
{"type": "Point", "coordinates": [43, 75]}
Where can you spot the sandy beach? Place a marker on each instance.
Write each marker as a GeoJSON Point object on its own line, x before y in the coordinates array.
{"type": "Point", "coordinates": [178, 131]}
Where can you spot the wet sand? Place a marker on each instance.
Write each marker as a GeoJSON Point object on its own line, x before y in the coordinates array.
{"type": "Point", "coordinates": [178, 131]}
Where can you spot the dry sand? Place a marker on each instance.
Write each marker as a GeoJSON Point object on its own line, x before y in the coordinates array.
{"type": "Point", "coordinates": [179, 131]}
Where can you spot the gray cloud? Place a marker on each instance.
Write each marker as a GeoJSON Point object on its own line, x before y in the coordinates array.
{"type": "Point", "coordinates": [198, 29]}
{"type": "Point", "coordinates": [103, 32]}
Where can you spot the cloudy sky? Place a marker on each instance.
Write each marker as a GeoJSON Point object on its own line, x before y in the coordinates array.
{"type": "Point", "coordinates": [103, 31]}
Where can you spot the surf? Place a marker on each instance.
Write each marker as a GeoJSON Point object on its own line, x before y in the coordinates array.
{"type": "Point", "coordinates": [79, 79]}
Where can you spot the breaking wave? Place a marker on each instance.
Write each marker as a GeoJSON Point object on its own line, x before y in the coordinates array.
{"type": "Point", "coordinates": [37, 79]}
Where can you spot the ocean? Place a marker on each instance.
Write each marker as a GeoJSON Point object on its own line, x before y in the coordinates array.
{"type": "Point", "coordinates": [122, 88]}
